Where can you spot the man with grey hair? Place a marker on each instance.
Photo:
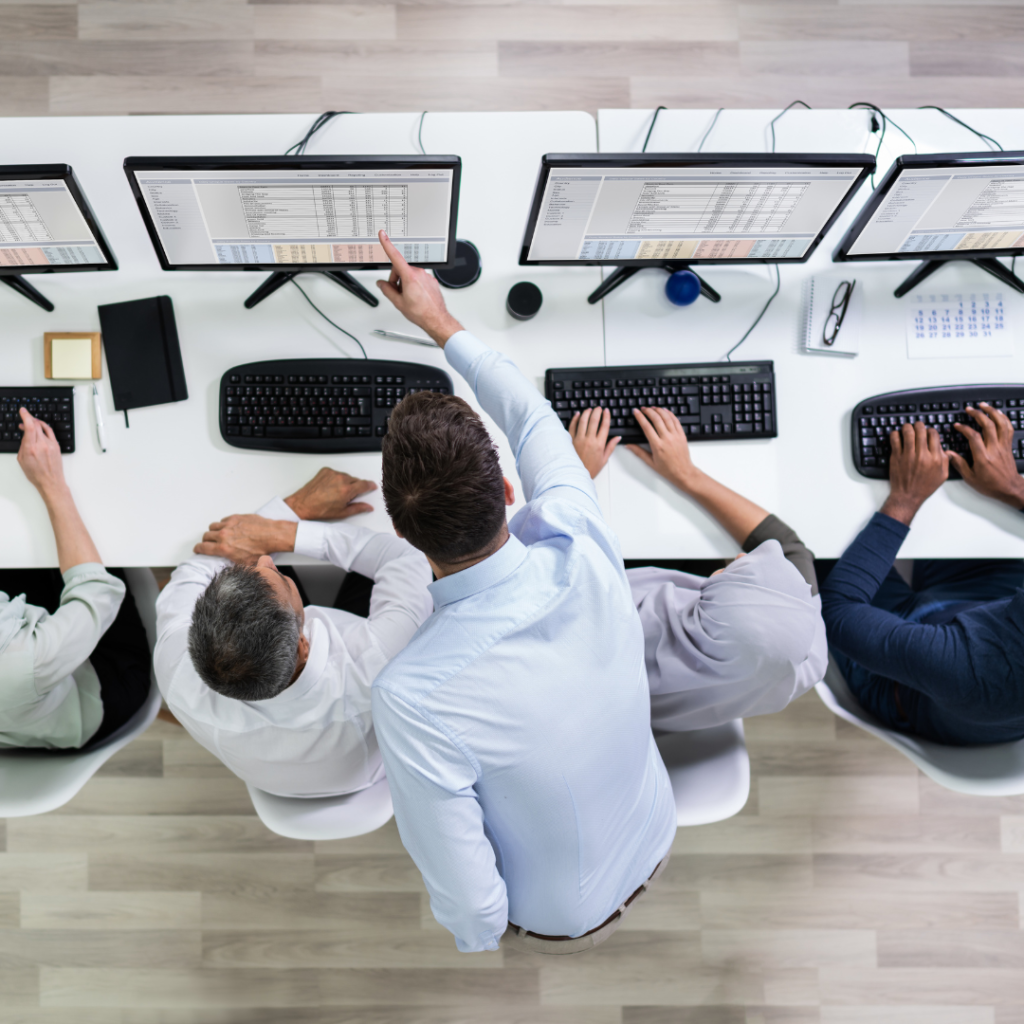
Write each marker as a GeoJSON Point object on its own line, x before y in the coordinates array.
{"type": "Point", "coordinates": [281, 692]}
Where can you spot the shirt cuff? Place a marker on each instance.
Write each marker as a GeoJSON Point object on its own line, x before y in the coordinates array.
{"type": "Point", "coordinates": [893, 526]}
{"type": "Point", "coordinates": [311, 537]}
{"type": "Point", "coordinates": [278, 508]}
{"type": "Point", "coordinates": [461, 349]}
{"type": "Point", "coordinates": [91, 571]}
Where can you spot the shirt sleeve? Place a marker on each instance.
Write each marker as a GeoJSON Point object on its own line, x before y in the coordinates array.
{"type": "Point", "coordinates": [441, 822]}
{"type": "Point", "coordinates": [89, 604]}
{"type": "Point", "coordinates": [918, 655]}
{"type": "Point", "coordinates": [793, 548]}
{"type": "Point", "coordinates": [545, 457]}
{"type": "Point", "coordinates": [400, 601]}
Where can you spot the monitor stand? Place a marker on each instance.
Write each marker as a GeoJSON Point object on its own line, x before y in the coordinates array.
{"type": "Point", "coordinates": [623, 274]}
{"type": "Point", "coordinates": [989, 264]}
{"type": "Point", "coordinates": [19, 284]}
{"type": "Point", "coordinates": [282, 277]}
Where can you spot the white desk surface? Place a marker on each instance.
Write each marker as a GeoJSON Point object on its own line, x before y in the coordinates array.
{"type": "Point", "coordinates": [148, 499]}
{"type": "Point", "coordinates": [805, 475]}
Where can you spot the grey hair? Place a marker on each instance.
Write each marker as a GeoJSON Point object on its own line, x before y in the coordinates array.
{"type": "Point", "coordinates": [243, 640]}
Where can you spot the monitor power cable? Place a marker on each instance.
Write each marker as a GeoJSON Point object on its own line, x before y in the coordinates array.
{"type": "Point", "coordinates": [329, 320]}
{"type": "Point", "coordinates": [964, 124]}
{"type": "Point", "coordinates": [727, 358]}
{"type": "Point", "coordinates": [328, 115]}
{"type": "Point", "coordinates": [419, 133]}
{"type": "Point", "coordinates": [654, 120]}
{"type": "Point", "coordinates": [771, 124]}
{"type": "Point", "coordinates": [876, 113]}
{"type": "Point", "coordinates": [714, 121]}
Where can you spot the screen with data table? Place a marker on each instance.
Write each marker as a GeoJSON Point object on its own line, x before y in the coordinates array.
{"type": "Point", "coordinates": [46, 224]}
{"type": "Point", "coordinates": [954, 205]}
{"type": "Point", "coordinates": [689, 208]}
{"type": "Point", "coordinates": [325, 214]}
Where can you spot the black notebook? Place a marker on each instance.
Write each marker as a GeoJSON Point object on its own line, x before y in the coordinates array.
{"type": "Point", "coordinates": [141, 341]}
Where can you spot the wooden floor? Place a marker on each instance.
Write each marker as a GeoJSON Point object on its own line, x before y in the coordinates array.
{"type": "Point", "coordinates": [224, 56]}
{"type": "Point", "coordinates": [849, 890]}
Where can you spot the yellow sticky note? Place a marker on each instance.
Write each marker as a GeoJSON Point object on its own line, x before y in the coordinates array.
{"type": "Point", "coordinates": [72, 358]}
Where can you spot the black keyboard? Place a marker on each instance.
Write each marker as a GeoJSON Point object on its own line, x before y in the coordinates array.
{"type": "Point", "coordinates": [55, 406]}
{"type": "Point", "coordinates": [720, 402]}
{"type": "Point", "coordinates": [318, 405]}
{"type": "Point", "coordinates": [874, 419]}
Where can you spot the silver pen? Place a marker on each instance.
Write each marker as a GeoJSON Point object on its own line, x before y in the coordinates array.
{"type": "Point", "coordinates": [411, 339]}
{"type": "Point", "coordinates": [97, 408]}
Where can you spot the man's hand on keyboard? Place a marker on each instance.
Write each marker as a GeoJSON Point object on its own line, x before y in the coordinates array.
{"type": "Point", "coordinates": [670, 451]}
{"type": "Point", "coordinates": [330, 495]}
{"type": "Point", "coordinates": [918, 467]}
{"type": "Point", "coordinates": [589, 432]}
{"type": "Point", "coordinates": [39, 455]}
{"type": "Point", "coordinates": [994, 472]}
{"type": "Point", "coordinates": [415, 293]}
{"type": "Point", "coordinates": [244, 539]}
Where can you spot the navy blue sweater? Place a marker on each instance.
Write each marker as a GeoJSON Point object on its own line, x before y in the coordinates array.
{"type": "Point", "coordinates": [962, 681]}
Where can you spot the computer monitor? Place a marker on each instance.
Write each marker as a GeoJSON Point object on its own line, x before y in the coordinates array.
{"type": "Point", "coordinates": [46, 227]}
{"type": "Point", "coordinates": [297, 214]}
{"type": "Point", "coordinates": [675, 210]}
{"type": "Point", "coordinates": [942, 207]}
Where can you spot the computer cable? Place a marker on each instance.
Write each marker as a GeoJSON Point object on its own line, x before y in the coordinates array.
{"type": "Point", "coordinates": [328, 115]}
{"type": "Point", "coordinates": [783, 111]}
{"type": "Point", "coordinates": [727, 358]}
{"type": "Point", "coordinates": [657, 111]}
{"type": "Point", "coordinates": [419, 134]}
{"type": "Point", "coordinates": [714, 121]}
{"type": "Point", "coordinates": [329, 320]}
{"type": "Point", "coordinates": [981, 135]}
{"type": "Point", "coordinates": [886, 120]}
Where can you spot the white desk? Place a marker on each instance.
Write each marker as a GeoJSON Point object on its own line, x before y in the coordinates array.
{"type": "Point", "coordinates": [148, 499]}
{"type": "Point", "coordinates": [806, 475]}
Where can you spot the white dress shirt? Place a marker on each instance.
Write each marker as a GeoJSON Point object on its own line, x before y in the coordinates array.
{"type": "Point", "coordinates": [744, 642]}
{"type": "Point", "coordinates": [316, 737]}
{"type": "Point", "coordinates": [515, 727]}
{"type": "Point", "coordinates": [49, 691]}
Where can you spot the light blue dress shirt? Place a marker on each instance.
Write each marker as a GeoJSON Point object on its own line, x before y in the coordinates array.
{"type": "Point", "coordinates": [515, 727]}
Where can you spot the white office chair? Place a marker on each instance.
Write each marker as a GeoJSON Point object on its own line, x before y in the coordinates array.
{"type": "Point", "coordinates": [33, 781]}
{"type": "Point", "coordinates": [332, 817]}
{"type": "Point", "coordinates": [710, 772]}
{"type": "Point", "coordinates": [993, 770]}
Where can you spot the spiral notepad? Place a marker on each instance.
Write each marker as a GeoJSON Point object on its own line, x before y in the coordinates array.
{"type": "Point", "coordinates": [818, 294]}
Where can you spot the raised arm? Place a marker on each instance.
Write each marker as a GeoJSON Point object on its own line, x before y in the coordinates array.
{"type": "Point", "coordinates": [542, 447]}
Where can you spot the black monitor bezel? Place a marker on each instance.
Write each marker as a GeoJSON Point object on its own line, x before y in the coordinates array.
{"type": "Point", "coordinates": [550, 161]}
{"type": "Point", "coordinates": [40, 172]}
{"type": "Point", "coordinates": [304, 162]}
{"type": "Point", "coordinates": [910, 161]}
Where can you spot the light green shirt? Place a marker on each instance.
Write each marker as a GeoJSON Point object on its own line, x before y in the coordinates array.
{"type": "Point", "coordinates": [49, 692]}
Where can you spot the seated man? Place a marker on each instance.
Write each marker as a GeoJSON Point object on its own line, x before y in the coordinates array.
{"type": "Point", "coordinates": [74, 659]}
{"type": "Point", "coordinates": [515, 727]}
{"type": "Point", "coordinates": [943, 658]}
{"type": "Point", "coordinates": [747, 640]}
{"type": "Point", "coordinates": [281, 693]}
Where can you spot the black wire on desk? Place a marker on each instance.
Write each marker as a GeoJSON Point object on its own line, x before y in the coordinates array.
{"type": "Point", "coordinates": [981, 135]}
{"type": "Point", "coordinates": [714, 121]}
{"type": "Point", "coordinates": [329, 320]}
{"type": "Point", "coordinates": [327, 115]}
{"type": "Point", "coordinates": [657, 111]}
{"type": "Point", "coordinates": [886, 121]}
{"type": "Point", "coordinates": [419, 134]}
{"type": "Point", "coordinates": [781, 112]}
{"type": "Point", "coordinates": [778, 283]}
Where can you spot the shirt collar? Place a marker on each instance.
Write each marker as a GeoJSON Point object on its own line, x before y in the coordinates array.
{"type": "Point", "coordinates": [476, 578]}
{"type": "Point", "coordinates": [316, 662]}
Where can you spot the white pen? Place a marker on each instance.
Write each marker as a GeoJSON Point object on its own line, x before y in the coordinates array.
{"type": "Point", "coordinates": [97, 408]}
{"type": "Point", "coordinates": [395, 336]}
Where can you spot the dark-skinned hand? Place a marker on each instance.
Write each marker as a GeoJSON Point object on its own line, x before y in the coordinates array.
{"type": "Point", "coordinates": [994, 472]}
{"type": "Point", "coordinates": [918, 467]}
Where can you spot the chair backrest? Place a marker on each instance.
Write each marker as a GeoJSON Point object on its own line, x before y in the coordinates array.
{"type": "Point", "coordinates": [710, 772]}
{"type": "Point", "coordinates": [332, 817]}
{"type": "Point", "coordinates": [37, 781]}
{"type": "Point", "coordinates": [996, 769]}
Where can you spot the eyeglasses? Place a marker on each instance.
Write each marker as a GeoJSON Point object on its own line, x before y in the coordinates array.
{"type": "Point", "coordinates": [837, 312]}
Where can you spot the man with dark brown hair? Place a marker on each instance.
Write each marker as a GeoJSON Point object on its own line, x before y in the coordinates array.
{"type": "Point", "coordinates": [515, 727]}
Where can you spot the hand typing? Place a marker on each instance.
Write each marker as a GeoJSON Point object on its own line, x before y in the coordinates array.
{"type": "Point", "coordinates": [994, 472]}
{"type": "Point", "coordinates": [589, 432]}
{"type": "Point", "coordinates": [918, 467]}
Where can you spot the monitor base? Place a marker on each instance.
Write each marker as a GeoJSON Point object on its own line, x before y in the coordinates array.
{"type": "Point", "coordinates": [282, 277]}
{"type": "Point", "coordinates": [623, 274]}
{"type": "Point", "coordinates": [20, 285]}
{"type": "Point", "coordinates": [988, 264]}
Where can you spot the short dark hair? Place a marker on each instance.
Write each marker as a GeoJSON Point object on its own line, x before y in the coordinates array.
{"type": "Point", "coordinates": [243, 640]}
{"type": "Point", "coordinates": [442, 481]}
